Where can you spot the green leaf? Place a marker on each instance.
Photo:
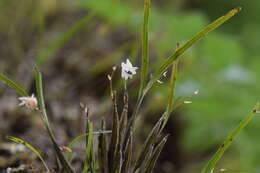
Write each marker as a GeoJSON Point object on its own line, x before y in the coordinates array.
{"type": "Point", "coordinates": [89, 150]}
{"type": "Point", "coordinates": [156, 154]}
{"type": "Point", "coordinates": [80, 137]}
{"type": "Point", "coordinates": [34, 150]}
{"type": "Point", "coordinates": [168, 62]}
{"type": "Point", "coordinates": [209, 167]}
{"type": "Point", "coordinates": [128, 154]}
{"type": "Point", "coordinates": [149, 142]}
{"type": "Point", "coordinates": [114, 143]}
{"type": "Point", "coordinates": [13, 85]}
{"type": "Point", "coordinates": [103, 150]}
{"type": "Point", "coordinates": [145, 49]}
{"type": "Point", "coordinates": [172, 86]}
{"type": "Point", "coordinates": [40, 98]}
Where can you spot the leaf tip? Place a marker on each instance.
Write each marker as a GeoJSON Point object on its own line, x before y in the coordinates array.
{"type": "Point", "coordinates": [238, 9]}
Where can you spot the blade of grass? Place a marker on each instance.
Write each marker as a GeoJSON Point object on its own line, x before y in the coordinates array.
{"type": "Point", "coordinates": [89, 140]}
{"type": "Point", "coordinates": [128, 154]}
{"type": "Point", "coordinates": [30, 147]}
{"type": "Point", "coordinates": [123, 121]}
{"type": "Point", "coordinates": [145, 49]}
{"type": "Point", "coordinates": [146, 160]}
{"type": "Point", "coordinates": [40, 98]}
{"type": "Point", "coordinates": [81, 137]}
{"type": "Point", "coordinates": [47, 53]}
{"type": "Point", "coordinates": [114, 143]}
{"type": "Point", "coordinates": [209, 167]}
{"type": "Point", "coordinates": [144, 64]}
{"type": "Point", "coordinates": [13, 85]}
{"type": "Point", "coordinates": [150, 141]}
{"type": "Point", "coordinates": [102, 149]}
{"type": "Point", "coordinates": [94, 167]}
{"type": "Point", "coordinates": [156, 154]}
{"type": "Point", "coordinates": [171, 91]}
{"type": "Point", "coordinates": [168, 62]}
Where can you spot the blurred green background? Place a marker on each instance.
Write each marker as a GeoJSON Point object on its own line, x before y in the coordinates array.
{"type": "Point", "coordinates": [76, 42]}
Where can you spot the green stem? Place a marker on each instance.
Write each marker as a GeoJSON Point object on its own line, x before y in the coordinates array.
{"type": "Point", "coordinates": [145, 49]}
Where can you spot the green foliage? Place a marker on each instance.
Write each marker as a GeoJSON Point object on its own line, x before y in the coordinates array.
{"type": "Point", "coordinates": [188, 44]}
{"type": "Point", "coordinates": [209, 168]}
{"type": "Point", "coordinates": [13, 85]}
{"type": "Point", "coordinates": [30, 147]}
{"type": "Point", "coordinates": [116, 156]}
{"type": "Point", "coordinates": [89, 163]}
{"type": "Point", "coordinates": [172, 87]}
{"type": "Point", "coordinates": [80, 137]}
{"type": "Point", "coordinates": [40, 98]}
{"type": "Point", "coordinates": [145, 48]}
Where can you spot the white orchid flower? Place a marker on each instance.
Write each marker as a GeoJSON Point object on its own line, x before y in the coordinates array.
{"type": "Point", "coordinates": [128, 70]}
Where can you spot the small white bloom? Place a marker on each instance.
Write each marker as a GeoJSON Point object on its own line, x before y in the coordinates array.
{"type": "Point", "coordinates": [128, 70]}
{"type": "Point", "coordinates": [29, 101]}
{"type": "Point", "coordinates": [196, 92]}
{"type": "Point", "coordinates": [187, 102]}
{"type": "Point", "coordinates": [8, 170]}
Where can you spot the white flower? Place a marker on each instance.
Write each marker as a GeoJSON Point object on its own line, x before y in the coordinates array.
{"type": "Point", "coordinates": [187, 102]}
{"type": "Point", "coordinates": [8, 170]}
{"type": "Point", "coordinates": [29, 101]}
{"type": "Point", "coordinates": [128, 70]}
{"type": "Point", "coordinates": [196, 92]}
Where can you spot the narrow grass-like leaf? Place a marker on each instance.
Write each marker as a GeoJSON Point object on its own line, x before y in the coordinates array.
{"type": "Point", "coordinates": [46, 54]}
{"type": "Point", "coordinates": [81, 137]}
{"type": "Point", "coordinates": [146, 160]}
{"type": "Point", "coordinates": [118, 161]}
{"type": "Point", "coordinates": [102, 149]}
{"type": "Point", "coordinates": [168, 62]}
{"type": "Point", "coordinates": [156, 154]}
{"type": "Point", "coordinates": [171, 92]}
{"type": "Point", "coordinates": [40, 98]}
{"type": "Point", "coordinates": [30, 147]}
{"type": "Point", "coordinates": [128, 154]}
{"type": "Point", "coordinates": [94, 167]}
{"type": "Point", "coordinates": [89, 140]}
{"type": "Point", "coordinates": [123, 122]}
{"type": "Point", "coordinates": [150, 141]}
{"type": "Point", "coordinates": [13, 85]}
{"type": "Point", "coordinates": [209, 167]}
{"type": "Point", "coordinates": [145, 49]}
{"type": "Point", "coordinates": [114, 143]}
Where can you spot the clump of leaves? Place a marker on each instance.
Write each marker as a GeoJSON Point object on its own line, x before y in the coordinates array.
{"type": "Point", "coordinates": [115, 152]}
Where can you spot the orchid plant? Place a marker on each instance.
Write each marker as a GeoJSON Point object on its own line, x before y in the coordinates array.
{"type": "Point", "coordinates": [114, 152]}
